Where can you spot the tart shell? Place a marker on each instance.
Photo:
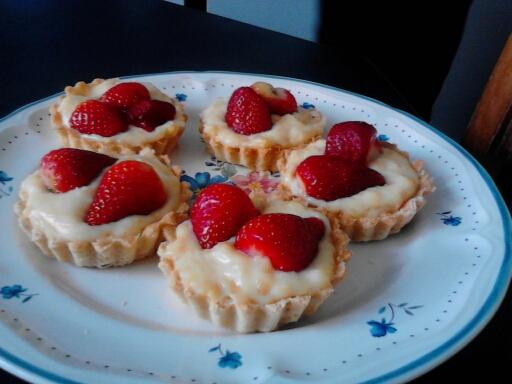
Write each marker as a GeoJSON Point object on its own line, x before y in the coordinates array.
{"type": "Point", "coordinates": [255, 158]}
{"type": "Point", "coordinates": [371, 228]}
{"type": "Point", "coordinates": [70, 137]}
{"type": "Point", "coordinates": [253, 316]}
{"type": "Point", "coordinates": [106, 251]}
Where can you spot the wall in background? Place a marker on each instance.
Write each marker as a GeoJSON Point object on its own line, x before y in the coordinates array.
{"type": "Point", "coordinates": [299, 18]}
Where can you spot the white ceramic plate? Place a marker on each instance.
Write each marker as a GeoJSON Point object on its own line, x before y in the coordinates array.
{"type": "Point", "coordinates": [407, 303]}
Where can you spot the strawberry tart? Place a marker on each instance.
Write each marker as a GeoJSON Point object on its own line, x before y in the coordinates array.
{"type": "Point", "coordinates": [118, 118]}
{"type": "Point", "coordinates": [256, 124]}
{"type": "Point", "coordinates": [369, 189]}
{"type": "Point", "coordinates": [94, 210]}
{"type": "Point", "coordinates": [250, 269]}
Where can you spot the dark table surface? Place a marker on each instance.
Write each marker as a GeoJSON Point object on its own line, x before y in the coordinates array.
{"type": "Point", "coordinates": [46, 45]}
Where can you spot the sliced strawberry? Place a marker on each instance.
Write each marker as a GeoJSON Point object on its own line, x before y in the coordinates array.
{"type": "Point", "coordinates": [124, 95]}
{"type": "Point", "coordinates": [353, 141]}
{"type": "Point", "coordinates": [149, 114]}
{"type": "Point", "coordinates": [280, 101]}
{"type": "Point", "coordinates": [289, 241]}
{"type": "Point", "coordinates": [331, 177]}
{"type": "Point", "coordinates": [65, 169]}
{"type": "Point", "coordinates": [128, 188]}
{"type": "Point", "coordinates": [218, 213]}
{"type": "Point", "coordinates": [247, 112]}
{"type": "Point", "coordinates": [94, 117]}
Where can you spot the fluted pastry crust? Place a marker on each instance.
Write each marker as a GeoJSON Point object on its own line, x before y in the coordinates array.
{"type": "Point", "coordinates": [106, 251]}
{"type": "Point", "coordinates": [260, 158]}
{"type": "Point", "coordinates": [371, 228]}
{"type": "Point", "coordinates": [253, 316]}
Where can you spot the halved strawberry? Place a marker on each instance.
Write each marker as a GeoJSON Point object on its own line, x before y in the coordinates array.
{"type": "Point", "coordinates": [149, 114]}
{"type": "Point", "coordinates": [247, 112]}
{"type": "Point", "coordinates": [331, 177]}
{"type": "Point", "coordinates": [65, 169]}
{"type": "Point", "coordinates": [124, 95]}
{"type": "Point", "coordinates": [218, 213]}
{"type": "Point", "coordinates": [94, 117]}
{"type": "Point", "coordinates": [289, 241]}
{"type": "Point", "coordinates": [280, 101]}
{"type": "Point", "coordinates": [128, 188]}
{"type": "Point", "coordinates": [353, 141]}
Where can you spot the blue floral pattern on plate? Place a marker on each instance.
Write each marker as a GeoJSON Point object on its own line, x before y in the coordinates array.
{"type": "Point", "coordinates": [227, 359]}
{"type": "Point", "coordinates": [307, 105]}
{"type": "Point", "coordinates": [448, 219]}
{"type": "Point", "coordinates": [181, 97]}
{"type": "Point", "coordinates": [383, 137]}
{"type": "Point", "coordinates": [4, 180]}
{"type": "Point", "coordinates": [16, 291]}
{"type": "Point", "coordinates": [383, 327]}
{"type": "Point", "coordinates": [201, 180]}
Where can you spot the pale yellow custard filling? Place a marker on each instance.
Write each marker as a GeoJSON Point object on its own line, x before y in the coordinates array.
{"type": "Point", "coordinates": [224, 271]}
{"type": "Point", "coordinates": [134, 135]}
{"type": "Point", "coordinates": [287, 131]}
{"type": "Point", "coordinates": [60, 215]}
{"type": "Point", "coordinates": [402, 183]}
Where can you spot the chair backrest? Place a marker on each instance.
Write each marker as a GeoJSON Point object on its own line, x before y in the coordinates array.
{"type": "Point", "coordinates": [489, 133]}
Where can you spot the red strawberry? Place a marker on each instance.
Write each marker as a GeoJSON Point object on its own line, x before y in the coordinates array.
{"type": "Point", "coordinates": [218, 213]}
{"type": "Point", "coordinates": [280, 101]}
{"type": "Point", "coordinates": [149, 114]}
{"type": "Point", "coordinates": [125, 95]}
{"type": "Point", "coordinates": [65, 169]}
{"type": "Point", "coordinates": [353, 141]}
{"type": "Point", "coordinates": [330, 177]}
{"type": "Point", "coordinates": [95, 117]}
{"type": "Point", "coordinates": [247, 112]}
{"type": "Point", "coordinates": [289, 241]}
{"type": "Point", "coordinates": [128, 188]}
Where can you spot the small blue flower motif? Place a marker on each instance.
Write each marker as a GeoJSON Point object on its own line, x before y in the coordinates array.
{"type": "Point", "coordinates": [307, 105]}
{"type": "Point", "coordinates": [448, 219]}
{"type": "Point", "coordinates": [202, 180]}
{"type": "Point", "coordinates": [383, 327]}
{"type": "Point", "coordinates": [230, 360]}
{"type": "Point", "coordinates": [15, 291]}
{"type": "Point", "coordinates": [4, 178]}
{"type": "Point", "coordinates": [453, 221]}
{"type": "Point", "coordinates": [379, 329]}
{"type": "Point", "coordinates": [8, 292]}
{"type": "Point", "coordinates": [181, 97]}
{"type": "Point", "coordinates": [383, 137]}
{"type": "Point", "coordinates": [227, 359]}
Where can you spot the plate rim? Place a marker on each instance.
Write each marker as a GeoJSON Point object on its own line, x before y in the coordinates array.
{"type": "Point", "coordinates": [415, 368]}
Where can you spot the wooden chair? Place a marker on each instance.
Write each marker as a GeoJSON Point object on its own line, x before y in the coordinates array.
{"type": "Point", "coordinates": [489, 133]}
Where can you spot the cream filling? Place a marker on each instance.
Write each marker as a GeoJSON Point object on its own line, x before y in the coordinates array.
{"type": "Point", "coordinates": [225, 271]}
{"type": "Point", "coordinates": [60, 215]}
{"type": "Point", "coordinates": [402, 182]}
{"type": "Point", "coordinates": [287, 131]}
{"type": "Point", "coordinates": [134, 135]}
